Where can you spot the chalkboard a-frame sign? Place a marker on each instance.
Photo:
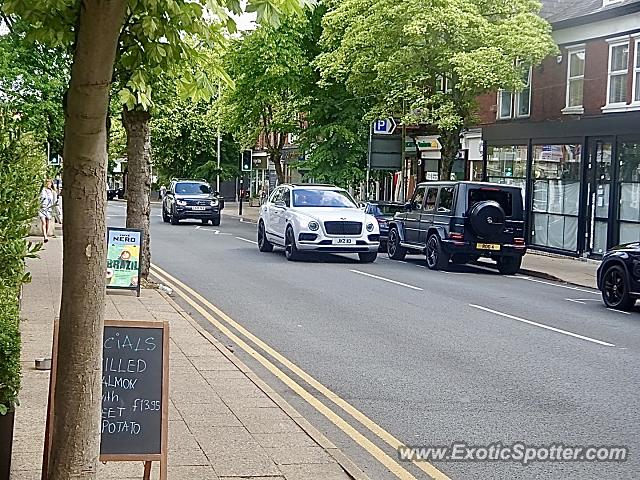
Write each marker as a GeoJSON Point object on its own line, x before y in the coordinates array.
{"type": "Point", "coordinates": [135, 394]}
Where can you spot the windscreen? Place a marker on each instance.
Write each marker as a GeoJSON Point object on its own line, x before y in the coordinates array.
{"type": "Point", "coordinates": [322, 198]}
{"type": "Point", "coordinates": [193, 189]}
{"type": "Point", "coordinates": [387, 210]}
{"type": "Point", "coordinates": [504, 198]}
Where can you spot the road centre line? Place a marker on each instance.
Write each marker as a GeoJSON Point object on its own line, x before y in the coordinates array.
{"type": "Point", "coordinates": [355, 435]}
{"type": "Point", "coordinates": [373, 427]}
{"type": "Point", "coordinates": [246, 240]}
{"type": "Point", "coordinates": [578, 289]}
{"type": "Point", "coordinates": [386, 280]}
{"type": "Point", "coordinates": [541, 325]}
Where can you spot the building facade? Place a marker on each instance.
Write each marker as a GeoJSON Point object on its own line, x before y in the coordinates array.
{"type": "Point", "coordinates": [571, 138]}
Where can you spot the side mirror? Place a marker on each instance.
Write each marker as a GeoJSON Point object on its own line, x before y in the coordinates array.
{"type": "Point", "coordinates": [216, 194]}
{"type": "Point", "coordinates": [362, 205]}
{"type": "Point", "coordinates": [408, 207]}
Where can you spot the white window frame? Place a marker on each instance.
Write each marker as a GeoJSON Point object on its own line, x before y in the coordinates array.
{"type": "Point", "coordinates": [617, 106]}
{"type": "Point", "coordinates": [499, 112]}
{"type": "Point", "coordinates": [574, 50]}
{"type": "Point", "coordinates": [516, 99]}
{"type": "Point", "coordinates": [635, 91]}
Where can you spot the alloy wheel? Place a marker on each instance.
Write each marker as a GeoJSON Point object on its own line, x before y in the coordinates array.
{"type": "Point", "coordinates": [614, 287]}
{"type": "Point", "coordinates": [392, 245]}
{"type": "Point", "coordinates": [432, 252]}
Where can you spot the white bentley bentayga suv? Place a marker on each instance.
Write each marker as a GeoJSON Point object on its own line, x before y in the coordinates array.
{"type": "Point", "coordinates": [316, 218]}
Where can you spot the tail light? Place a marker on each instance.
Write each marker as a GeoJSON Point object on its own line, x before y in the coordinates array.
{"type": "Point", "coordinates": [381, 220]}
{"type": "Point", "coordinates": [519, 242]}
{"type": "Point", "coordinates": [456, 236]}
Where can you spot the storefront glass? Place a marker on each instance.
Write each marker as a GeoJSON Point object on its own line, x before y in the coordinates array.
{"type": "Point", "coordinates": [507, 165]}
{"type": "Point", "coordinates": [556, 196]}
{"type": "Point", "coordinates": [629, 155]}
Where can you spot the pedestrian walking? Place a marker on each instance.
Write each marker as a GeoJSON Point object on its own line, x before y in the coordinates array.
{"type": "Point", "coordinates": [48, 199]}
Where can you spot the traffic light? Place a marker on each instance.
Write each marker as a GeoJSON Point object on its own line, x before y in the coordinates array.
{"type": "Point", "coordinates": [247, 160]}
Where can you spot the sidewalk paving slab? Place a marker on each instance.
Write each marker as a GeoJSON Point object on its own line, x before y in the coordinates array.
{"type": "Point", "coordinates": [224, 423]}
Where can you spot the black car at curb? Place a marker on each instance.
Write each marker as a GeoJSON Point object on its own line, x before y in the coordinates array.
{"type": "Point", "coordinates": [384, 211]}
{"type": "Point", "coordinates": [619, 276]}
{"type": "Point", "coordinates": [191, 199]}
{"type": "Point", "coordinates": [460, 222]}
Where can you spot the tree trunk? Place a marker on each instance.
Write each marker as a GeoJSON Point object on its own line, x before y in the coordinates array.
{"type": "Point", "coordinates": [76, 428]}
{"type": "Point", "coordinates": [276, 158]}
{"type": "Point", "coordinates": [136, 124]}
{"type": "Point", "coordinates": [450, 147]}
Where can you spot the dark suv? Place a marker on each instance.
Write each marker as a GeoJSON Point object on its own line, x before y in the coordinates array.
{"type": "Point", "coordinates": [461, 222]}
{"type": "Point", "coordinates": [191, 199]}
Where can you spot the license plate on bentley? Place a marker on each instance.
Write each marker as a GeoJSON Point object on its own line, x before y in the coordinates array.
{"type": "Point", "coordinates": [344, 241]}
{"type": "Point", "coordinates": [488, 246]}
{"type": "Point", "coordinates": [198, 208]}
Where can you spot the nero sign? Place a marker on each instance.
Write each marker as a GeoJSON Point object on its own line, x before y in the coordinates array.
{"type": "Point", "coordinates": [123, 258]}
{"type": "Point", "coordinates": [133, 370]}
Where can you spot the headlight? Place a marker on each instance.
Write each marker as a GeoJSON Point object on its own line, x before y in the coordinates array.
{"type": "Point", "coordinates": [313, 226]}
{"type": "Point", "coordinates": [369, 227]}
{"type": "Point", "coordinates": [214, 203]}
{"type": "Point", "coordinates": [182, 203]}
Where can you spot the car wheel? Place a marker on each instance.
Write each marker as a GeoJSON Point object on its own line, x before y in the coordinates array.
{"type": "Point", "coordinates": [615, 292]}
{"type": "Point", "coordinates": [368, 257]}
{"type": "Point", "coordinates": [436, 258]}
{"type": "Point", "coordinates": [215, 221]}
{"type": "Point", "coordinates": [264, 245]}
{"type": "Point", "coordinates": [174, 218]}
{"type": "Point", "coordinates": [165, 216]}
{"type": "Point", "coordinates": [205, 221]}
{"type": "Point", "coordinates": [290, 248]}
{"type": "Point", "coordinates": [394, 249]}
{"type": "Point", "coordinates": [509, 265]}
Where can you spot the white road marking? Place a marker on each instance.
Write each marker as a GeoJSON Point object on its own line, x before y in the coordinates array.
{"type": "Point", "coordinates": [541, 325]}
{"type": "Point", "coordinates": [577, 289]}
{"type": "Point", "coordinates": [386, 280]}
{"type": "Point", "coordinates": [247, 240]}
{"type": "Point", "coordinates": [575, 301]}
{"type": "Point", "coordinates": [618, 311]}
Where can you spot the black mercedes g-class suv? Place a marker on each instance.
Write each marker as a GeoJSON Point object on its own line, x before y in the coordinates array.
{"type": "Point", "coordinates": [460, 222]}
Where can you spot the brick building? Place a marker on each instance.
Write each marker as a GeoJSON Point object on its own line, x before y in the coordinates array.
{"type": "Point", "coordinates": [572, 137]}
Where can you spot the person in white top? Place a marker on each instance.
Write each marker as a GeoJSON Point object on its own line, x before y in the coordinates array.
{"type": "Point", "coordinates": [47, 201]}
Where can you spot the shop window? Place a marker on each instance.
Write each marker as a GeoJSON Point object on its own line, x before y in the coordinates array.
{"type": "Point", "coordinates": [507, 164]}
{"type": "Point", "coordinates": [556, 195]}
{"type": "Point", "coordinates": [629, 177]}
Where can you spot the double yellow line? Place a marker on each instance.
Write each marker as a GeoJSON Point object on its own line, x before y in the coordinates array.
{"type": "Point", "coordinates": [222, 322]}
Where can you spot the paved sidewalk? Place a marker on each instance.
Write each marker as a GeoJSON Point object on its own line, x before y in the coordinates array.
{"type": "Point", "coordinates": [577, 271]}
{"type": "Point", "coordinates": [249, 214]}
{"type": "Point", "coordinates": [224, 423]}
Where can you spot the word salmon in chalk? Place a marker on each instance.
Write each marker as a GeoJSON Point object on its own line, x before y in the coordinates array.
{"type": "Point", "coordinates": [124, 342]}
{"type": "Point", "coordinates": [109, 381]}
{"type": "Point", "coordinates": [119, 365]}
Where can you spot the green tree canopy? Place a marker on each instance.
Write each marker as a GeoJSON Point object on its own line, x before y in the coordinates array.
{"type": "Point", "coordinates": [428, 60]}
